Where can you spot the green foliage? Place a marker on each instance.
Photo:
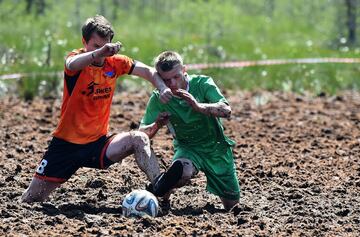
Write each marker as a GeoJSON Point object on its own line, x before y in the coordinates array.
{"type": "Point", "coordinates": [32, 86]}
{"type": "Point", "coordinates": [202, 31]}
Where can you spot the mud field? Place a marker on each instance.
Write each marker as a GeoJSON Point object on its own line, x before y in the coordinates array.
{"type": "Point", "coordinates": [297, 158]}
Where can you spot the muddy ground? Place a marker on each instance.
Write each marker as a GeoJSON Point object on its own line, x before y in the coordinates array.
{"type": "Point", "coordinates": [297, 158]}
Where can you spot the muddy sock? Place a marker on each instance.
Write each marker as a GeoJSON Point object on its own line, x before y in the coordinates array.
{"type": "Point", "coordinates": [167, 180]}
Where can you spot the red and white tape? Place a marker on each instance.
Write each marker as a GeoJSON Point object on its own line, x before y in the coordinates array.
{"type": "Point", "coordinates": [239, 64]}
{"type": "Point", "coordinates": [235, 64]}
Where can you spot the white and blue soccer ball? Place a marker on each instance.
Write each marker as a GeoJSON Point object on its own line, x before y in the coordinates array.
{"type": "Point", "coordinates": [140, 203]}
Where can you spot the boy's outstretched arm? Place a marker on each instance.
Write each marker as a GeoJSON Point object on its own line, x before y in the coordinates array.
{"type": "Point", "coordinates": [78, 62]}
{"type": "Point", "coordinates": [151, 130]}
{"type": "Point", "coordinates": [150, 74]}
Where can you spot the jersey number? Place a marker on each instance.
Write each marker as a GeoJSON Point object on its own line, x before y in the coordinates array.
{"type": "Point", "coordinates": [40, 169]}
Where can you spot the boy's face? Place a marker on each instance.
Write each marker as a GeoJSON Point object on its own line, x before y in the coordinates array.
{"type": "Point", "coordinates": [96, 42]}
{"type": "Point", "coordinates": [175, 78]}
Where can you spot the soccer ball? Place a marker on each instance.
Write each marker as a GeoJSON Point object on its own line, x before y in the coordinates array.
{"type": "Point", "coordinates": [140, 203]}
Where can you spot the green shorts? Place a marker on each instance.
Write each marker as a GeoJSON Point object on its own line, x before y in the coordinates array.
{"type": "Point", "coordinates": [218, 166]}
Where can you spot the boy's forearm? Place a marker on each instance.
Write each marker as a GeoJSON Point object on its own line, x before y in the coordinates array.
{"type": "Point", "coordinates": [150, 130]}
{"type": "Point", "coordinates": [78, 62]}
{"type": "Point", "coordinates": [158, 82]}
{"type": "Point", "coordinates": [219, 109]}
{"type": "Point", "coordinates": [149, 74]}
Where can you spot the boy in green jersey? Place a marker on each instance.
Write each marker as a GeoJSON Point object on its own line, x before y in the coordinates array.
{"type": "Point", "coordinates": [193, 118]}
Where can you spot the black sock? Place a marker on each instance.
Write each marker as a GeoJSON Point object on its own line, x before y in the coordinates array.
{"type": "Point", "coordinates": [167, 180]}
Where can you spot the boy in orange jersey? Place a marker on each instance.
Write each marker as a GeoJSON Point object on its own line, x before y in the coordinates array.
{"type": "Point", "coordinates": [81, 139]}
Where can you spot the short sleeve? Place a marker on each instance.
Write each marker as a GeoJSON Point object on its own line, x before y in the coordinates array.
{"type": "Point", "coordinates": [152, 111]}
{"type": "Point", "coordinates": [75, 52]}
{"type": "Point", "coordinates": [123, 64]}
{"type": "Point", "coordinates": [212, 92]}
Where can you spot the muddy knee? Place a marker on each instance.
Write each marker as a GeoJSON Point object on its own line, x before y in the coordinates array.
{"type": "Point", "coordinates": [228, 204]}
{"type": "Point", "coordinates": [29, 197]}
{"type": "Point", "coordinates": [139, 139]}
{"type": "Point", "coordinates": [38, 191]}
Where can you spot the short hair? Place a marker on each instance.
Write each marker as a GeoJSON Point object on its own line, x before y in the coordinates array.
{"type": "Point", "coordinates": [167, 60]}
{"type": "Point", "coordinates": [99, 25]}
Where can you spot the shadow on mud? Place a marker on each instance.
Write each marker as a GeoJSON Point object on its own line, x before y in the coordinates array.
{"type": "Point", "coordinates": [191, 211]}
{"type": "Point", "coordinates": [78, 210]}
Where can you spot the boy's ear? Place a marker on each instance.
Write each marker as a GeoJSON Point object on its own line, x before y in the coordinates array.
{"type": "Point", "coordinates": [184, 68]}
{"type": "Point", "coordinates": [83, 41]}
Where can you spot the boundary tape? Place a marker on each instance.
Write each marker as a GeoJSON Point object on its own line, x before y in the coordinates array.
{"type": "Point", "coordinates": [235, 64]}
{"type": "Point", "coordinates": [240, 64]}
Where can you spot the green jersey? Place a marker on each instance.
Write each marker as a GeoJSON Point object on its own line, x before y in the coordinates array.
{"type": "Point", "coordinates": [198, 137]}
{"type": "Point", "coordinates": [191, 128]}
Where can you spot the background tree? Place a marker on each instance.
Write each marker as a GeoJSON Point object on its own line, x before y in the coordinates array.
{"type": "Point", "coordinates": [39, 6]}
{"type": "Point", "coordinates": [351, 10]}
{"type": "Point", "coordinates": [269, 7]}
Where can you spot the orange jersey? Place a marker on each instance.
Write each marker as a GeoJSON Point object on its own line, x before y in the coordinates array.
{"type": "Point", "coordinates": [87, 98]}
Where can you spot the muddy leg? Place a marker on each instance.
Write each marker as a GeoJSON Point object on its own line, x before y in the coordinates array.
{"type": "Point", "coordinates": [137, 143]}
{"type": "Point", "coordinates": [38, 190]}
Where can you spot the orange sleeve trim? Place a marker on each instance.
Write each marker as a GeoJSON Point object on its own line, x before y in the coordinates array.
{"type": "Point", "coordinates": [50, 179]}
{"type": "Point", "coordinates": [103, 151]}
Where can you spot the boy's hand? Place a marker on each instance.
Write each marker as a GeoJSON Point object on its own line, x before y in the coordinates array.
{"type": "Point", "coordinates": [162, 119]}
{"type": "Point", "coordinates": [107, 50]}
{"type": "Point", "coordinates": [189, 98]}
{"type": "Point", "coordinates": [165, 95]}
